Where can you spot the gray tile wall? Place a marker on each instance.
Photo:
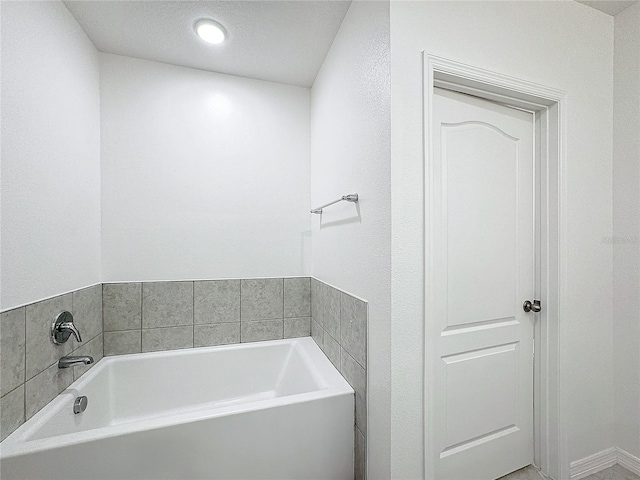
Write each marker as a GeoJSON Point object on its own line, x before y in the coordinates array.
{"type": "Point", "coordinates": [152, 316]}
{"type": "Point", "coordinates": [29, 374]}
{"type": "Point", "coordinates": [339, 327]}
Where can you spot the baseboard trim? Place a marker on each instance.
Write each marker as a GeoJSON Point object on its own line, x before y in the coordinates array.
{"type": "Point", "coordinates": [604, 459]}
{"type": "Point", "coordinates": [628, 461]}
{"type": "Point", "coordinates": [594, 463]}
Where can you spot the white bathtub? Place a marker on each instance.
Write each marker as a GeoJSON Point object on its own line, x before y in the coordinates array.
{"type": "Point", "coordinates": [268, 410]}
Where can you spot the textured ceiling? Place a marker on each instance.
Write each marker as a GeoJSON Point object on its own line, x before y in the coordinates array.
{"type": "Point", "coordinates": [279, 41]}
{"type": "Point", "coordinates": [610, 7]}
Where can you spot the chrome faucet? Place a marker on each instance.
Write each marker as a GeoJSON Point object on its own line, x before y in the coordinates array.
{"type": "Point", "coordinates": [63, 327]}
{"type": "Point", "coordinates": [70, 361]}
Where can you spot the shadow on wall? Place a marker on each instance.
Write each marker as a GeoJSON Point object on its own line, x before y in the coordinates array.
{"type": "Point", "coordinates": [354, 218]}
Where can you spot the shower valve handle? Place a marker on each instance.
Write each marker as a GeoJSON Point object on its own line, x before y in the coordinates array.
{"type": "Point", "coordinates": [63, 327]}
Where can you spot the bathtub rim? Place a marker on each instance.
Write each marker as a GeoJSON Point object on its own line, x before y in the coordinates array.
{"type": "Point", "coordinates": [17, 443]}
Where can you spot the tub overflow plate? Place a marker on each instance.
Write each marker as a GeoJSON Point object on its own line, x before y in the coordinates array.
{"type": "Point", "coordinates": [80, 404]}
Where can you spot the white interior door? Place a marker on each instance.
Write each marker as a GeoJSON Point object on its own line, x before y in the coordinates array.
{"type": "Point", "coordinates": [483, 270]}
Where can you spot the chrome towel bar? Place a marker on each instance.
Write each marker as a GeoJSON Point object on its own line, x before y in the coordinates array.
{"type": "Point", "coordinates": [352, 197]}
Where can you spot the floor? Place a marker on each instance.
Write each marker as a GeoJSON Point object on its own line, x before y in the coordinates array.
{"type": "Point", "coordinates": [526, 473]}
{"type": "Point", "coordinates": [612, 473]}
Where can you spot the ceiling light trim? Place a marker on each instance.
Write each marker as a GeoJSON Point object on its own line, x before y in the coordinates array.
{"type": "Point", "coordinates": [210, 31]}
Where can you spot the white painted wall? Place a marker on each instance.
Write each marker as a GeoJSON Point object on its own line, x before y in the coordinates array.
{"type": "Point", "coordinates": [626, 228]}
{"type": "Point", "coordinates": [50, 190]}
{"type": "Point", "coordinates": [564, 45]}
{"type": "Point", "coordinates": [350, 152]}
{"type": "Point", "coordinates": [204, 175]}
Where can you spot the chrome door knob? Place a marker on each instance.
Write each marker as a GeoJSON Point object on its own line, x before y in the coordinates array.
{"type": "Point", "coordinates": [527, 306]}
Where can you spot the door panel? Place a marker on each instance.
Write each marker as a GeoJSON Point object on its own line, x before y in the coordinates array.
{"type": "Point", "coordinates": [475, 409]}
{"type": "Point", "coordinates": [483, 261]}
{"type": "Point", "coordinates": [475, 187]}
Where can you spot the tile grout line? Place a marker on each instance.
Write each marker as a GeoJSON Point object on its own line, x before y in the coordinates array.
{"type": "Point", "coordinates": [340, 330]}
{"type": "Point", "coordinates": [102, 313]}
{"type": "Point", "coordinates": [72, 310]}
{"type": "Point", "coordinates": [141, 312]}
{"type": "Point", "coordinates": [12, 390]}
{"type": "Point", "coordinates": [240, 311]}
{"type": "Point", "coordinates": [193, 314]}
{"type": "Point", "coordinates": [24, 383]}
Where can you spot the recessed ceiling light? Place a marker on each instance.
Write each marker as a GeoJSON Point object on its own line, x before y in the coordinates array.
{"type": "Point", "coordinates": [210, 31]}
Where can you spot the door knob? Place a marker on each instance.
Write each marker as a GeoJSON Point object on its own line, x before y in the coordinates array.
{"type": "Point", "coordinates": [527, 306]}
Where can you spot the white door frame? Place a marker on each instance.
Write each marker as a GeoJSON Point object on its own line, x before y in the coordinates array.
{"type": "Point", "coordinates": [549, 105]}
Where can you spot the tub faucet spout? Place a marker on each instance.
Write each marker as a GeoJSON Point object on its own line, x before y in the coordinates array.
{"type": "Point", "coordinates": [70, 361]}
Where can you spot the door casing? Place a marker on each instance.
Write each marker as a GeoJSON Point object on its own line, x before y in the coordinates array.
{"type": "Point", "coordinates": [549, 106]}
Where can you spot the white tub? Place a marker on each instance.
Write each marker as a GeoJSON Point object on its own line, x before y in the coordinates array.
{"type": "Point", "coordinates": [268, 410]}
